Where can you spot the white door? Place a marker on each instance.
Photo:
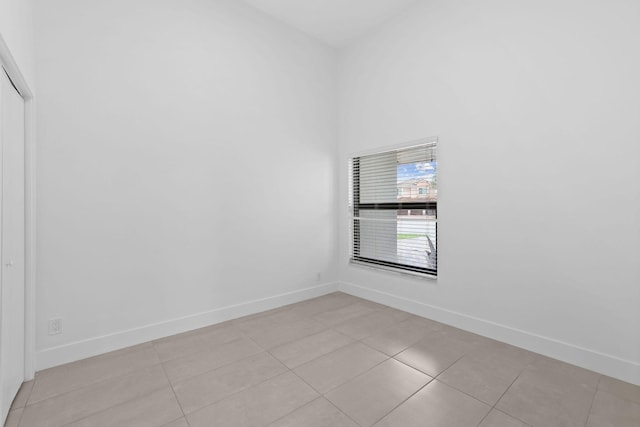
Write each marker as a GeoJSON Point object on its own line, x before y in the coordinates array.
{"type": "Point", "coordinates": [12, 247]}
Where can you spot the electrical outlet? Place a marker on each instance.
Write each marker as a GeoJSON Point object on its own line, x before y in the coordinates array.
{"type": "Point", "coordinates": [55, 326]}
{"type": "Point", "coordinates": [318, 276]}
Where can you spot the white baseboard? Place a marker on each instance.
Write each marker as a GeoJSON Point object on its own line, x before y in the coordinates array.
{"type": "Point", "coordinates": [625, 370]}
{"type": "Point", "coordinates": [59, 355]}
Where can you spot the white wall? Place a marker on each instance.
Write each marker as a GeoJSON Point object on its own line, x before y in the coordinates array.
{"type": "Point", "coordinates": [186, 164]}
{"type": "Point", "coordinates": [16, 29]}
{"type": "Point", "coordinates": [536, 107]}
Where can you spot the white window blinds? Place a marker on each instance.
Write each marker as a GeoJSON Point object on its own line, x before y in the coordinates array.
{"type": "Point", "coordinates": [394, 198]}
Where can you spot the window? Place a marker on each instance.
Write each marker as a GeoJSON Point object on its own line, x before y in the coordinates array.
{"type": "Point", "coordinates": [394, 208]}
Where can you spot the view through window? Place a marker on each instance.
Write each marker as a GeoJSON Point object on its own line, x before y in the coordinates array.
{"type": "Point", "coordinates": [394, 201]}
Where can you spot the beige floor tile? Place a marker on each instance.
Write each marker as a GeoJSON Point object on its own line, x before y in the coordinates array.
{"type": "Point", "coordinates": [550, 393]}
{"type": "Point", "coordinates": [80, 403]}
{"type": "Point", "coordinates": [437, 405]}
{"type": "Point", "coordinates": [298, 352]}
{"type": "Point", "coordinates": [266, 314]}
{"type": "Point", "coordinates": [562, 372]}
{"type": "Point", "coordinates": [256, 406]}
{"type": "Point", "coordinates": [620, 388]}
{"type": "Point", "coordinates": [319, 413]}
{"type": "Point", "coordinates": [398, 337]}
{"type": "Point", "coordinates": [194, 364]}
{"type": "Point", "coordinates": [609, 410]}
{"type": "Point", "coordinates": [486, 373]}
{"type": "Point", "coordinates": [181, 422]}
{"type": "Point", "coordinates": [435, 353]}
{"type": "Point", "coordinates": [371, 396]}
{"type": "Point", "coordinates": [196, 341]}
{"type": "Point", "coordinates": [65, 378]}
{"type": "Point", "coordinates": [342, 314]}
{"type": "Point", "coordinates": [362, 326]}
{"type": "Point", "coordinates": [324, 303]}
{"type": "Point", "coordinates": [13, 419]}
{"type": "Point", "coordinates": [152, 410]}
{"type": "Point", "coordinates": [22, 397]}
{"type": "Point", "coordinates": [269, 319]}
{"type": "Point", "coordinates": [468, 337]}
{"type": "Point", "coordinates": [338, 367]}
{"type": "Point", "coordinates": [215, 385]}
{"type": "Point", "coordinates": [500, 419]}
{"type": "Point", "coordinates": [281, 329]}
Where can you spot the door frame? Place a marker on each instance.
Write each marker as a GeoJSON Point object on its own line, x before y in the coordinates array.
{"type": "Point", "coordinates": [9, 64]}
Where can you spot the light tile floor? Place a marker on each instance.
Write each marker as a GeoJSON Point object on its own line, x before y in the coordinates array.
{"type": "Point", "coordinates": [331, 361]}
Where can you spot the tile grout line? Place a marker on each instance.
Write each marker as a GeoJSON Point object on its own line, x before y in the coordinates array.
{"type": "Point", "coordinates": [381, 351]}
{"type": "Point", "coordinates": [503, 394]}
{"type": "Point", "coordinates": [26, 402]}
{"type": "Point", "coordinates": [216, 368]}
{"type": "Point", "coordinates": [326, 327]}
{"type": "Point", "coordinates": [367, 371]}
{"type": "Point", "coordinates": [290, 341]}
{"type": "Point", "coordinates": [341, 411]}
{"type": "Point", "coordinates": [102, 381]}
{"type": "Point", "coordinates": [332, 327]}
{"type": "Point", "coordinates": [407, 365]}
{"type": "Point", "coordinates": [408, 397]}
{"type": "Point", "coordinates": [267, 350]}
{"type": "Point", "coordinates": [389, 357]}
{"type": "Point", "coordinates": [307, 336]}
{"type": "Point", "coordinates": [467, 394]}
{"type": "Point", "coordinates": [377, 311]}
{"type": "Point", "coordinates": [323, 395]}
{"type": "Point", "coordinates": [320, 395]}
{"type": "Point", "coordinates": [153, 391]}
{"type": "Point", "coordinates": [110, 407]}
{"type": "Point", "coordinates": [234, 394]}
{"type": "Point", "coordinates": [348, 319]}
{"type": "Point", "coordinates": [243, 335]}
{"type": "Point", "coordinates": [426, 373]}
{"type": "Point", "coordinates": [93, 383]}
{"type": "Point", "coordinates": [511, 416]}
{"type": "Point", "coordinates": [357, 376]}
{"type": "Point", "coordinates": [254, 385]}
{"type": "Point", "coordinates": [593, 399]}
{"type": "Point", "coordinates": [322, 355]}
{"type": "Point", "coordinates": [355, 340]}
{"type": "Point", "coordinates": [195, 352]}
{"type": "Point", "coordinates": [173, 391]}
{"type": "Point", "coordinates": [436, 377]}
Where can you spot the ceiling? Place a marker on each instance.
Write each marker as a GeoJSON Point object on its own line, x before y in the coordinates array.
{"type": "Point", "coordinates": [336, 22]}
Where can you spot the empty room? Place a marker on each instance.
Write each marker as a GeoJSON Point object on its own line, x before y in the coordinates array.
{"type": "Point", "coordinates": [315, 213]}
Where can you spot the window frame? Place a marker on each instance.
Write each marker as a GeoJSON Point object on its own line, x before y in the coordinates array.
{"type": "Point", "coordinates": [355, 207]}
